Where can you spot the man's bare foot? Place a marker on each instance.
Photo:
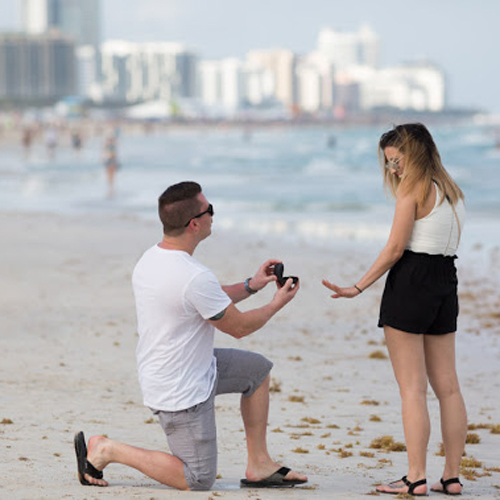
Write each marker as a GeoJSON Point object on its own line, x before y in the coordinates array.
{"type": "Point", "coordinates": [258, 473]}
{"type": "Point", "coordinates": [88, 473]}
{"type": "Point", "coordinates": [451, 486]}
{"type": "Point", "coordinates": [96, 452]}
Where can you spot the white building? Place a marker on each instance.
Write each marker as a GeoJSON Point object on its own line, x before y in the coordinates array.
{"type": "Point", "coordinates": [209, 80]}
{"type": "Point", "coordinates": [314, 83]}
{"type": "Point", "coordinates": [265, 80]}
{"type": "Point", "coordinates": [260, 85]}
{"type": "Point", "coordinates": [221, 85]}
{"type": "Point", "coordinates": [418, 87]}
{"type": "Point", "coordinates": [428, 85]}
{"type": "Point", "coordinates": [135, 72]}
{"type": "Point", "coordinates": [346, 49]}
{"type": "Point", "coordinates": [360, 86]}
{"type": "Point", "coordinates": [88, 72]}
{"type": "Point", "coordinates": [232, 83]}
{"type": "Point", "coordinates": [278, 66]}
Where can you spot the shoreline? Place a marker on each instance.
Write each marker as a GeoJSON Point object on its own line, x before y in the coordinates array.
{"type": "Point", "coordinates": [95, 128]}
{"type": "Point", "coordinates": [69, 363]}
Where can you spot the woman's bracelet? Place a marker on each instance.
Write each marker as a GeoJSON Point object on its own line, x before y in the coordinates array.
{"type": "Point", "coordinates": [358, 289]}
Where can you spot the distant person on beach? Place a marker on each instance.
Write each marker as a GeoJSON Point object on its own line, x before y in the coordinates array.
{"type": "Point", "coordinates": [27, 140]}
{"type": "Point", "coordinates": [76, 140]}
{"type": "Point", "coordinates": [179, 304]}
{"type": "Point", "coordinates": [111, 162]}
{"type": "Point", "coordinates": [419, 306]}
{"type": "Point", "coordinates": [51, 141]}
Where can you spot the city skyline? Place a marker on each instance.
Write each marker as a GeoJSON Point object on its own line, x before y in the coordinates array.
{"type": "Point", "coordinates": [454, 34]}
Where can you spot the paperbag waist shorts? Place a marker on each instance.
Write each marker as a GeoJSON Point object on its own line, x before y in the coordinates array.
{"type": "Point", "coordinates": [420, 295]}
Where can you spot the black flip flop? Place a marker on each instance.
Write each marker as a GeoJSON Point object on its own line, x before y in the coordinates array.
{"type": "Point", "coordinates": [84, 466]}
{"type": "Point", "coordinates": [276, 480]}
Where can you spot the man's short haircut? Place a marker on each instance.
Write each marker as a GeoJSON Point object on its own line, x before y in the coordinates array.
{"type": "Point", "coordinates": [177, 205]}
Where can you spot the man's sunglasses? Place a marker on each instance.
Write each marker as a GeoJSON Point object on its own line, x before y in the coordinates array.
{"type": "Point", "coordinates": [209, 210]}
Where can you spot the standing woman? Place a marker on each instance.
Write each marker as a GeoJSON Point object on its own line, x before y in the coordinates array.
{"type": "Point", "coordinates": [419, 306]}
{"type": "Point", "coordinates": [111, 162]}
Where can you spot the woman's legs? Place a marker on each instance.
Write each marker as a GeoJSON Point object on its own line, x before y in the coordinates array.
{"type": "Point", "coordinates": [110, 172]}
{"type": "Point", "coordinates": [406, 351]}
{"type": "Point", "coordinates": [440, 360]}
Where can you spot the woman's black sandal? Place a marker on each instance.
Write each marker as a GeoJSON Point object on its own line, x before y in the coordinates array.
{"type": "Point", "coordinates": [445, 491]}
{"type": "Point", "coordinates": [411, 487]}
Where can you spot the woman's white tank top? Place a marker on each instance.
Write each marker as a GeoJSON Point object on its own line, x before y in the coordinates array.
{"type": "Point", "coordinates": [439, 232]}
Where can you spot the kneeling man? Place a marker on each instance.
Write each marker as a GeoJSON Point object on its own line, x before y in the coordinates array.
{"type": "Point", "coordinates": [179, 302]}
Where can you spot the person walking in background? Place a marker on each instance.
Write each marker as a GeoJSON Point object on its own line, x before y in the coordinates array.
{"type": "Point", "coordinates": [27, 140]}
{"type": "Point", "coordinates": [419, 306]}
{"type": "Point", "coordinates": [51, 140]}
{"type": "Point", "coordinates": [76, 140]}
{"type": "Point", "coordinates": [179, 304]}
{"type": "Point", "coordinates": [111, 162]}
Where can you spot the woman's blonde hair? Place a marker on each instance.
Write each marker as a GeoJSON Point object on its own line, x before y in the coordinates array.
{"type": "Point", "coordinates": [422, 164]}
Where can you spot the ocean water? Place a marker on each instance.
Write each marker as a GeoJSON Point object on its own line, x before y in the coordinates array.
{"type": "Point", "coordinates": [288, 182]}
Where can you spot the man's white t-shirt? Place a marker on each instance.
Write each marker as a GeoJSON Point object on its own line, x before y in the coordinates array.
{"type": "Point", "coordinates": [174, 296]}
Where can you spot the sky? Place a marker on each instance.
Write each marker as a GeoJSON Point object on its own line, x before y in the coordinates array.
{"type": "Point", "coordinates": [462, 37]}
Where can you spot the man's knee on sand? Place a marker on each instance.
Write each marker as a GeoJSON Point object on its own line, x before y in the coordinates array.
{"type": "Point", "coordinates": [201, 480]}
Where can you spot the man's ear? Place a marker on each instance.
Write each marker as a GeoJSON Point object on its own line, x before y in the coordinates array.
{"type": "Point", "coordinates": [194, 225]}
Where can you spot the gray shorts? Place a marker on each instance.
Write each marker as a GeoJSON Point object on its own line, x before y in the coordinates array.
{"type": "Point", "coordinates": [191, 433]}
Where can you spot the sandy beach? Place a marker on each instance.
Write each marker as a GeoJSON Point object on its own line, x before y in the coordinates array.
{"type": "Point", "coordinates": [68, 340]}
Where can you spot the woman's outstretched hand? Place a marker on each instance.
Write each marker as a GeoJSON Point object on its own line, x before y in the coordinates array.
{"type": "Point", "coordinates": [347, 292]}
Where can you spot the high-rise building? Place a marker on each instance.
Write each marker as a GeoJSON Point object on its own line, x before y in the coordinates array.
{"type": "Point", "coordinates": [209, 81]}
{"type": "Point", "coordinates": [259, 86]}
{"type": "Point", "coordinates": [416, 86]}
{"type": "Point", "coordinates": [345, 49]}
{"type": "Point", "coordinates": [89, 72]}
{"type": "Point", "coordinates": [314, 83]}
{"type": "Point", "coordinates": [78, 19]}
{"type": "Point", "coordinates": [135, 72]}
{"type": "Point", "coordinates": [37, 68]}
{"type": "Point", "coordinates": [221, 84]}
{"type": "Point", "coordinates": [281, 63]}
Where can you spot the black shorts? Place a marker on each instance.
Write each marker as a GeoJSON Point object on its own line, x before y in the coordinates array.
{"type": "Point", "coordinates": [420, 295]}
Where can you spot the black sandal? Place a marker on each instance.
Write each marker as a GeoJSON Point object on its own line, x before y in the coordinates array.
{"type": "Point", "coordinates": [445, 484]}
{"type": "Point", "coordinates": [411, 487]}
{"type": "Point", "coordinates": [84, 466]}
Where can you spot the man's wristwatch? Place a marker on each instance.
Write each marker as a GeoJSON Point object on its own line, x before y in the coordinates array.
{"type": "Point", "coordinates": [247, 287]}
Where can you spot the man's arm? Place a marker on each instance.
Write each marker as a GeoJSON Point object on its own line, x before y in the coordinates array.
{"type": "Point", "coordinates": [240, 324]}
{"type": "Point", "coordinates": [236, 292]}
{"type": "Point", "coordinates": [263, 276]}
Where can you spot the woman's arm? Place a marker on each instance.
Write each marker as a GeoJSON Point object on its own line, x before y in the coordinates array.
{"type": "Point", "coordinates": [402, 227]}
